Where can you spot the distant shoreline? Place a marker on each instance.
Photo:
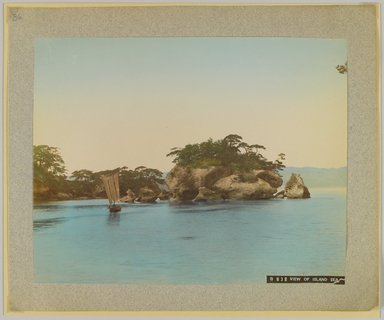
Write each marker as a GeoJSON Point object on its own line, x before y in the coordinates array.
{"type": "Point", "coordinates": [314, 191]}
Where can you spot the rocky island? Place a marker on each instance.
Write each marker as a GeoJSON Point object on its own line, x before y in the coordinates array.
{"type": "Point", "coordinates": [228, 168]}
{"type": "Point", "coordinates": [294, 189]}
{"type": "Point", "coordinates": [225, 169]}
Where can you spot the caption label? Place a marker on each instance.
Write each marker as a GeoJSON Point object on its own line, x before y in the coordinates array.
{"type": "Point", "coordinates": [306, 279]}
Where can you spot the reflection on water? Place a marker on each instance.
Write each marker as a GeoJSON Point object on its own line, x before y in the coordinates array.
{"type": "Point", "coordinates": [114, 218]}
{"type": "Point", "coordinates": [197, 243]}
{"type": "Point", "coordinates": [188, 238]}
{"type": "Point", "coordinates": [46, 223]}
{"type": "Point", "coordinates": [211, 206]}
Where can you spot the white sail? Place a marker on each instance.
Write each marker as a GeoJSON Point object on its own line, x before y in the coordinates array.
{"type": "Point", "coordinates": [107, 188]}
{"type": "Point", "coordinates": [117, 186]}
{"type": "Point", "coordinates": [111, 185]}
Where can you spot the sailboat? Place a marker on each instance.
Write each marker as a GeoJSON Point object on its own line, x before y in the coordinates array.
{"type": "Point", "coordinates": [111, 184]}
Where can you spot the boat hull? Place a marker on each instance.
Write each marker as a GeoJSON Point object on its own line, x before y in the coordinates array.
{"type": "Point", "coordinates": [114, 208]}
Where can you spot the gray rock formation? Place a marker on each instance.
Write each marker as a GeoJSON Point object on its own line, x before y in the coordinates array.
{"type": "Point", "coordinates": [280, 195]}
{"type": "Point", "coordinates": [232, 187]}
{"type": "Point", "coordinates": [215, 183]}
{"type": "Point", "coordinates": [147, 195]}
{"type": "Point", "coordinates": [164, 195]}
{"type": "Point", "coordinates": [130, 197]}
{"type": "Point", "coordinates": [271, 177]}
{"type": "Point", "coordinates": [184, 182]}
{"type": "Point", "coordinates": [295, 188]}
{"type": "Point", "coordinates": [64, 196]}
{"type": "Point", "coordinates": [206, 194]}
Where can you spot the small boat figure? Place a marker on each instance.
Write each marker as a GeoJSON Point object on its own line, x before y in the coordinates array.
{"type": "Point", "coordinates": [111, 185]}
{"type": "Point", "coordinates": [114, 208]}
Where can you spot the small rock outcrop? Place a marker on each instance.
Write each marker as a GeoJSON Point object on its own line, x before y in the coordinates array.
{"type": "Point", "coordinates": [130, 197]}
{"type": "Point", "coordinates": [271, 177]}
{"type": "Point", "coordinates": [64, 196]}
{"type": "Point", "coordinates": [295, 188]}
{"type": "Point", "coordinates": [147, 195]}
{"type": "Point", "coordinates": [280, 195]}
{"type": "Point", "coordinates": [164, 195]}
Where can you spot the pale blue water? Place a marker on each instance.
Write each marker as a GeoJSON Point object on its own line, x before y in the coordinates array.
{"type": "Point", "coordinates": [208, 243]}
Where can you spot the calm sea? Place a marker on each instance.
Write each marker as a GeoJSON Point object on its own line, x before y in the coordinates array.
{"type": "Point", "coordinates": [206, 243]}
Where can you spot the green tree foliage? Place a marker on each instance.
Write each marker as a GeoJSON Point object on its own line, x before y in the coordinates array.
{"type": "Point", "coordinates": [83, 183]}
{"type": "Point", "coordinates": [82, 175]}
{"type": "Point", "coordinates": [128, 179]}
{"type": "Point", "coordinates": [48, 168]}
{"type": "Point", "coordinates": [342, 68]}
{"type": "Point", "coordinates": [278, 163]}
{"type": "Point", "coordinates": [48, 161]}
{"type": "Point", "coordinates": [50, 178]}
{"type": "Point", "coordinates": [230, 151]}
{"type": "Point", "coordinates": [95, 182]}
{"type": "Point", "coordinates": [138, 178]}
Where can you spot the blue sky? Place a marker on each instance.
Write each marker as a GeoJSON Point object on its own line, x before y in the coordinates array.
{"type": "Point", "coordinates": [109, 102]}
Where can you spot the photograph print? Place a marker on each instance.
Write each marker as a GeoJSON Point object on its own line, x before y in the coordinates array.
{"type": "Point", "coordinates": [189, 160]}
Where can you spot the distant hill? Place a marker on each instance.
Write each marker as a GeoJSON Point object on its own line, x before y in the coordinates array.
{"type": "Point", "coordinates": [318, 177]}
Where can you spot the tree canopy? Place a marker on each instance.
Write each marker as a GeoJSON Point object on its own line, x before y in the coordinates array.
{"type": "Point", "coordinates": [48, 161]}
{"type": "Point", "coordinates": [49, 175]}
{"type": "Point", "coordinates": [140, 177]}
{"type": "Point", "coordinates": [48, 168]}
{"type": "Point", "coordinates": [231, 151]}
{"type": "Point", "coordinates": [342, 68]}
